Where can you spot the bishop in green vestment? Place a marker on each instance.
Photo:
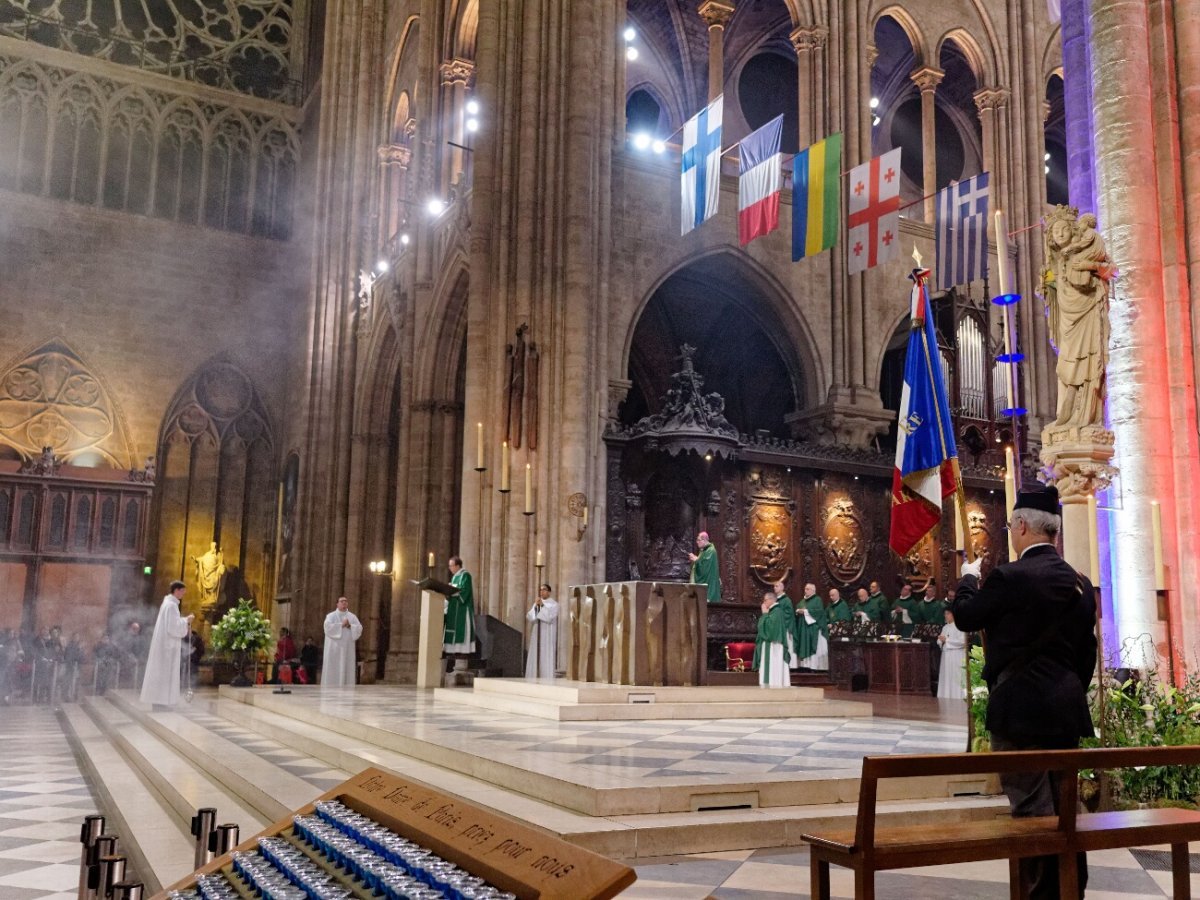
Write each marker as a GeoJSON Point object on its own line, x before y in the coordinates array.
{"type": "Point", "coordinates": [458, 634]}
{"type": "Point", "coordinates": [771, 655]}
{"type": "Point", "coordinates": [705, 569]}
{"type": "Point", "coordinates": [812, 625]}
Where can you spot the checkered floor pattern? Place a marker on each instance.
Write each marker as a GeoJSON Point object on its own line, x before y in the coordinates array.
{"type": "Point", "coordinates": [43, 799]}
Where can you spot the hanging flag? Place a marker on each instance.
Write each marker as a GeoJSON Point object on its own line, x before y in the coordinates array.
{"type": "Point", "coordinates": [816, 177]}
{"type": "Point", "coordinates": [960, 232]}
{"type": "Point", "coordinates": [926, 458]}
{"type": "Point", "coordinates": [700, 179]}
{"type": "Point", "coordinates": [760, 179]}
{"type": "Point", "coordinates": [873, 226]}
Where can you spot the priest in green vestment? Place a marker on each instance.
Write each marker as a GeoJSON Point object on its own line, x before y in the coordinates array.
{"type": "Point", "coordinates": [906, 614]}
{"type": "Point", "coordinates": [812, 629]}
{"type": "Point", "coordinates": [704, 567]}
{"type": "Point", "coordinates": [771, 655]}
{"type": "Point", "coordinates": [838, 609]}
{"type": "Point", "coordinates": [930, 610]}
{"type": "Point", "coordinates": [877, 609]}
{"type": "Point", "coordinates": [790, 611]}
{"type": "Point", "coordinates": [458, 633]}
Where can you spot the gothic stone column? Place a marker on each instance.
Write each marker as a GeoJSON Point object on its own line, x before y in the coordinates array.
{"type": "Point", "coordinates": [809, 44]}
{"type": "Point", "coordinates": [716, 15]}
{"type": "Point", "coordinates": [456, 77]}
{"type": "Point", "coordinates": [927, 79]}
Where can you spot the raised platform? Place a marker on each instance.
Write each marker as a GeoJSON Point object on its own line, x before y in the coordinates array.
{"type": "Point", "coordinates": [562, 700]}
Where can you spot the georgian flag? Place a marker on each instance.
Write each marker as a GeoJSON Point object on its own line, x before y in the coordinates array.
{"type": "Point", "coordinates": [960, 232]}
{"type": "Point", "coordinates": [700, 177]}
{"type": "Point", "coordinates": [873, 226]}
{"type": "Point", "coordinates": [760, 179]}
{"type": "Point", "coordinates": [926, 457]}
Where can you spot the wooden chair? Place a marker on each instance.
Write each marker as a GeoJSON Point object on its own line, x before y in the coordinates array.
{"type": "Point", "coordinates": [739, 656]}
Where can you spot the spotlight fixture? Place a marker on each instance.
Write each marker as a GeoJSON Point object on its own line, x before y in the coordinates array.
{"type": "Point", "coordinates": [641, 141]}
{"type": "Point", "coordinates": [630, 33]}
{"type": "Point", "coordinates": [472, 107]}
{"type": "Point", "coordinates": [631, 53]}
{"type": "Point", "coordinates": [436, 206]}
{"type": "Point", "coordinates": [708, 456]}
{"type": "Point", "coordinates": [875, 121]}
{"type": "Point", "coordinates": [472, 125]}
{"type": "Point", "coordinates": [1047, 170]}
{"type": "Point", "coordinates": [404, 239]}
{"type": "Point", "coordinates": [658, 146]}
{"type": "Point", "coordinates": [1046, 157]}
{"type": "Point", "coordinates": [874, 103]}
{"type": "Point", "coordinates": [381, 266]}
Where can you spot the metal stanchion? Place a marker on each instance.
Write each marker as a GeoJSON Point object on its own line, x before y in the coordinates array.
{"type": "Point", "coordinates": [223, 839]}
{"type": "Point", "coordinates": [128, 890]}
{"type": "Point", "coordinates": [111, 870]}
{"type": "Point", "coordinates": [53, 683]}
{"type": "Point", "coordinates": [203, 824]}
{"type": "Point", "coordinates": [93, 827]}
{"type": "Point", "coordinates": [105, 845]}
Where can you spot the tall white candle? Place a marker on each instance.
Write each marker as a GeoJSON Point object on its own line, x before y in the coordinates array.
{"type": "Point", "coordinates": [432, 559]}
{"type": "Point", "coordinates": [1160, 576]}
{"type": "Point", "coordinates": [1010, 496]}
{"type": "Point", "coordinates": [585, 512]}
{"type": "Point", "coordinates": [539, 559]}
{"type": "Point", "coordinates": [528, 488]}
{"type": "Point", "coordinates": [1093, 542]}
{"type": "Point", "coordinates": [479, 446]}
{"type": "Point", "coordinates": [960, 540]}
{"type": "Point", "coordinates": [505, 483]}
{"type": "Point", "coordinates": [1004, 285]}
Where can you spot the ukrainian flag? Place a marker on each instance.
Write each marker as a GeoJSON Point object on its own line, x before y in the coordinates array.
{"type": "Point", "coordinates": [816, 197]}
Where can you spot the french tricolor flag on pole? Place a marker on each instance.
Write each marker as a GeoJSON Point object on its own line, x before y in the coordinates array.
{"type": "Point", "coordinates": [760, 181]}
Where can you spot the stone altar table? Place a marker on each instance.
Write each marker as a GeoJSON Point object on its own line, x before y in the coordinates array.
{"type": "Point", "coordinates": [637, 632]}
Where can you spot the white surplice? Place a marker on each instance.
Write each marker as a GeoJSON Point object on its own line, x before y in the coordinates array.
{"type": "Point", "coordinates": [952, 676]}
{"type": "Point", "coordinates": [337, 668]}
{"type": "Point", "coordinates": [543, 639]}
{"type": "Point", "coordinates": [161, 682]}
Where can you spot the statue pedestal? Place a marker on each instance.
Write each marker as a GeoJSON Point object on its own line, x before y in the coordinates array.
{"type": "Point", "coordinates": [429, 640]}
{"type": "Point", "coordinates": [1078, 460]}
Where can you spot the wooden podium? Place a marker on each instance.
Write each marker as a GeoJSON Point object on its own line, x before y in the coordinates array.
{"type": "Point", "coordinates": [637, 632]}
{"type": "Point", "coordinates": [429, 637]}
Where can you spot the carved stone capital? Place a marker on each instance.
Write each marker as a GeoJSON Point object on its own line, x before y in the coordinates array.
{"type": "Point", "coordinates": [716, 13]}
{"type": "Point", "coordinates": [618, 390]}
{"type": "Point", "coordinates": [927, 78]}
{"type": "Point", "coordinates": [809, 37]}
{"type": "Point", "coordinates": [397, 155]}
{"type": "Point", "coordinates": [847, 419]}
{"type": "Point", "coordinates": [991, 98]}
{"type": "Point", "coordinates": [871, 54]}
{"type": "Point", "coordinates": [457, 71]}
{"type": "Point", "coordinates": [1077, 460]}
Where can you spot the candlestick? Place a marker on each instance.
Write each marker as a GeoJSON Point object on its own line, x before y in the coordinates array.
{"type": "Point", "coordinates": [505, 484]}
{"type": "Point", "coordinates": [1093, 542]}
{"type": "Point", "coordinates": [1010, 497]}
{"type": "Point", "coordinates": [960, 539]}
{"type": "Point", "coordinates": [528, 489]}
{"type": "Point", "coordinates": [479, 447]}
{"type": "Point", "coordinates": [1160, 576]}
{"type": "Point", "coordinates": [432, 559]}
{"type": "Point", "coordinates": [1005, 286]}
{"type": "Point", "coordinates": [539, 562]}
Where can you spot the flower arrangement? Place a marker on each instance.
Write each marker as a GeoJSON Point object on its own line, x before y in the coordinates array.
{"type": "Point", "coordinates": [243, 629]}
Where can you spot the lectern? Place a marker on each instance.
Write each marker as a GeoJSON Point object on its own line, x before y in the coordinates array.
{"type": "Point", "coordinates": [433, 623]}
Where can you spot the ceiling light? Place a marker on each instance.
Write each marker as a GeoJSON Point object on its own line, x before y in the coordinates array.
{"type": "Point", "coordinates": [875, 121]}
{"type": "Point", "coordinates": [472, 107]}
{"type": "Point", "coordinates": [631, 53]}
{"type": "Point", "coordinates": [381, 266]}
{"type": "Point", "coordinates": [658, 146]}
{"type": "Point", "coordinates": [436, 206]}
{"type": "Point", "coordinates": [874, 102]}
{"type": "Point", "coordinates": [404, 239]}
{"type": "Point", "coordinates": [630, 33]}
{"type": "Point", "coordinates": [641, 141]}
{"type": "Point", "coordinates": [1046, 157]}
{"type": "Point", "coordinates": [472, 125]}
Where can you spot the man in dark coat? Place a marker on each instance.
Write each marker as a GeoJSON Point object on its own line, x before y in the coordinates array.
{"type": "Point", "coordinates": [1038, 615]}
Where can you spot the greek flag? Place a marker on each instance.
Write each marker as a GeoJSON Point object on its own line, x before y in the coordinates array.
{"type": "Point", "coordinates": [961, 232]}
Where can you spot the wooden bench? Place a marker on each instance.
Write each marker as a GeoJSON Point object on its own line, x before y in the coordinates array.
{"type": "Point", "coordinates": [868, 849]}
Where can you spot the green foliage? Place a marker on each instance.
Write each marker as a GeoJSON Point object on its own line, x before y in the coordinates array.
{"type": "Point", "coordinates": [977, 689]}
{"type": "Point", "coordinates": [244, 629]}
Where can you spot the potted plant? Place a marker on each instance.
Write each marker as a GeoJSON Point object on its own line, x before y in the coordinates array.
{"type": "Point", "coordinates": [242, 632]}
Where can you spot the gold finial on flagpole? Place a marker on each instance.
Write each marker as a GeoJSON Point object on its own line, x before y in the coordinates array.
{"type": "Point", "coordinates": [917, 256]}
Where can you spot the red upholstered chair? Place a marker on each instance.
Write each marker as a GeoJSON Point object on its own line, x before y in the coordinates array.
{"type": "Point", "coordinates": [739, 657]}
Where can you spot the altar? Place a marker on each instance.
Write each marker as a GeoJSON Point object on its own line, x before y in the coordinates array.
{"type": "Point", "coordinates": [891, 667]}
{"type": "Point", "coordinates": [637, 633]}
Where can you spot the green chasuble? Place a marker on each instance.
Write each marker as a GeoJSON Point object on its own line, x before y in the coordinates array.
{"type": "Point", "coordinates": [909, 605]}
{"type": "Point", "coordinates": [930, 612]}
{"type": "Point", "coordinates": [458, 634]}
{"type": "Point", "coordinates": [877, 608]}
{"type": "Point", "coordinates": [773, 628]}
{"type": "Point", "coordinates": [837, 612]}
{"type": "Point", "coordinates": [704, 571]}
{"type": "Point", "coordinates": [806, 641]}
{"type": "Point", "coordinates": [786, 602]}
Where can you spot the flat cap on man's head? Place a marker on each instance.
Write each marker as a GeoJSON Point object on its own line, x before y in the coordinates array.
{"type": "Point", "coordinates": [1042, 497]}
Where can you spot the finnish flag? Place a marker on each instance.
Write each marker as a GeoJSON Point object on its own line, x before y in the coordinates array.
{"type": "Point", "coordinates": [700, 176]}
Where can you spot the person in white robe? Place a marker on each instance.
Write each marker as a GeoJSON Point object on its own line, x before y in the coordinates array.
{"type": "Point", "coordinates": [543, 635]}
{"type": "Point", "coordinates": [342, 629]}
{"type": "Point", "coordinates": [160, 686]}
{"type": "Point", "coordinates": [952, 678]}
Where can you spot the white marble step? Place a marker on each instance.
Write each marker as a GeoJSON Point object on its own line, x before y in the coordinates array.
{"type": "Point", "coordinates": [259, 783]}
{"type": "Point", "coordinates": [766, 705]}
{"type": "Point", "coordinates": [181, 783]}
{"type": "Point", "coordinates": [566, 691]}
{"type": "Point", "coordinates": [158, 849]}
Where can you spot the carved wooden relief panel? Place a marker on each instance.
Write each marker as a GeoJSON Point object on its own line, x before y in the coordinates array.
{"type": "Point", "coordinates": [844, 541]}
{"type": "Point", "coordinates": [51, 399]}
{"type": "Point", "coordinates": [770, 541]}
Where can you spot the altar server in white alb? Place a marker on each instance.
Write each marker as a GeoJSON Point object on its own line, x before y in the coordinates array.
{"type": "Point", "coordinates": [952, 677]}
{"type": "Point", "coordinates": [160, 686]}
{"type": "Point", "coordinates": [342, 629]}
{"type": "Point", "coordinates": [543, 635]}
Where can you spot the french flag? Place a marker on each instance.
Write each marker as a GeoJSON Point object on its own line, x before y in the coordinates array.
{"type": "Point", "coordinates": [926, 456]}
{"type": "Point", "coordinates": [760, 179]}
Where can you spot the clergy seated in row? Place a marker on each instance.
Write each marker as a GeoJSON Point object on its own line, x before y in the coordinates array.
{"type": "Point", "coordinates": [811, 623]}
{"type": "Point", "coordinates": [952, 678]}
{"type": "Point", "coordinates": [543, 635]}
{"type": "Point", "coordinates": [771, 655]}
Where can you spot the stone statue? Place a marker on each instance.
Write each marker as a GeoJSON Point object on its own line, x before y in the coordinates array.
{"type": "Point", "coordinates": [210, 577]}
{"type": "Point", "coordinates": [1076, 296]}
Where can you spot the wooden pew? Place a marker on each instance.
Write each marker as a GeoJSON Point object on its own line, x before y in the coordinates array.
{"type": "Point", "coordinates": [868, 849]}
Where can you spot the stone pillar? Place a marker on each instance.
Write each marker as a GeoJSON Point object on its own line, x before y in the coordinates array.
{"type": "Point", "coordinates": [716, 15]}
{"type": "Point", "coordinates": [395, 160]}
{"type": "Point", "coordinates": [1078, 460]}
{"type": "Point", "coordinates": [1139, 401]}
{"type": "Point", "coordinates": [456, 76]}
{"type": "Point", "coordinates": [987, 101]}
{"type": "Point", "coordinates": [1077, 104]}
{"type": "Point", "coordinates": [927, 78]}
{"type": "Point", "coordinates": [809, 43]}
